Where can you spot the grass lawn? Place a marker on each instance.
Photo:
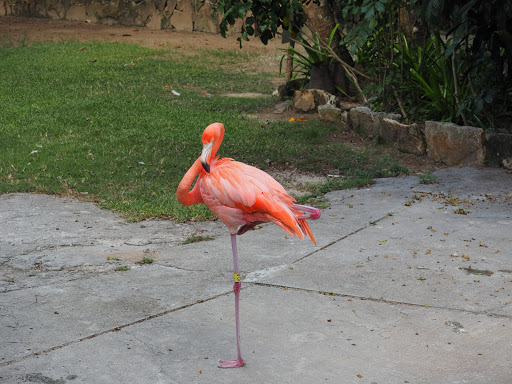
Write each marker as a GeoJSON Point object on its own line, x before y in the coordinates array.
{"type": "Point", "coordinates": [100, 120]}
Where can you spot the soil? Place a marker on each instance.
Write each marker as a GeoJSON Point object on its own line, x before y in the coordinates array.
{"type": "Point", "coordinates": [19, 30]}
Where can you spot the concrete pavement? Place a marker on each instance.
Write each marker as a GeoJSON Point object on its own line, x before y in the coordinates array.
{"type": "Point", "coordinates": [409, 283]}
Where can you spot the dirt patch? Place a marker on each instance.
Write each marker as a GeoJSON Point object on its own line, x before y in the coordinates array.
{"type": "Point", "coordinates": [248, 95]}
{"type": "Point", "coordinates": [22, 30]}
{"type": "Point", "coordinates": [19, 30]}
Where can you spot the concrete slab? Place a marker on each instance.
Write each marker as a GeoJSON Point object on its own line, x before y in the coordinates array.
{"type": "Point", "coordinates": [408, 283]}
{"type": "Point", "coordinates": [333, 340]}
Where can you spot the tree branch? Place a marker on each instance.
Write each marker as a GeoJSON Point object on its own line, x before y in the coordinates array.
{"type": "Point", "coordinates": [349, 70]}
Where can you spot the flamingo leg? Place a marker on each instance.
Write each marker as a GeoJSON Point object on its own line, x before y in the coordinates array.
{"type": "Point", "coordinates": [312, 213]}
{"type": "Point", "coordinates": [239, 362]}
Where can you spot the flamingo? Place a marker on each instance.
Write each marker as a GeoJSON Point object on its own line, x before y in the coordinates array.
{"type": "Point", "coordinates": [241, 196]}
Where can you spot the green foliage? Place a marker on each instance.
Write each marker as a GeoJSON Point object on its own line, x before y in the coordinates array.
{"type": "Point", "coordinates": [315, 52]}
{"type": "Point", "coordinates": [357, 170]}
{"type": "Point", "coordinates": [266, 17]}
{"type": "Point", "coordinates": [367, 15]}
{"type": "Point", "coordinates": [455, 67]}
{"type": "Point", "coordinates": [388, 167]}
{"type": "Point", "coordinates": [452, 78]}
{"type": "Point", "coordinates": [428, 86]}
{"type": "Point", "coordinates": [145, 260]}
{"type": "Point", "coordinates": [316, 191]}
{"type": "Point", "coordinates": [196, 239]}
{"type": "Point", "coordinates": [428, 178]}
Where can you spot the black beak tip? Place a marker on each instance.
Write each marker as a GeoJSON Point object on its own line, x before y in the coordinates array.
{"type": "Point", "coordinates": [206, 167]}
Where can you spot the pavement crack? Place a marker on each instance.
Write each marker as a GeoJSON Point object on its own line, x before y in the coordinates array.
{"type": "Point", "coordinates": [380, 300]}
{"type": "Point", "coordinates": [371, 223]}
{"type": "Point", "coordinates": [115, 329]}
{"type": "Point", "coordinates": [181, 268]}
{"type": "Point", "coordinates": [52, 247]}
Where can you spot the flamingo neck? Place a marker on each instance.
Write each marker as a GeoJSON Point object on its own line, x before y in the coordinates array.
{"type": "Point", "coordinates": [183, 194]}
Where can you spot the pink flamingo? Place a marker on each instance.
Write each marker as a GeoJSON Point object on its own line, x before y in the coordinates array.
{"type": "Point", "coordinates": [242, 197]}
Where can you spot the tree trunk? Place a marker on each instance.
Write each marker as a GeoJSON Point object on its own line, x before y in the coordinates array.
{"type": "Point", "coordinates": [321, 19]}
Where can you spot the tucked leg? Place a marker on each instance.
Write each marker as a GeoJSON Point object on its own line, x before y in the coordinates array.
{"type": "Point", "coordinates": [312, 213]}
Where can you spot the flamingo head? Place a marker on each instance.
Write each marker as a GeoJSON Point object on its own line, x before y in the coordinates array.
{"type": "Point", "coordinates": [212, 137]}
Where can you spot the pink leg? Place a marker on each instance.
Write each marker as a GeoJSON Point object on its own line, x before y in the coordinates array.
{"type": "Point", "coordinates": [312, 213]}
{"type": "Point", "coordinates": [239, 362]}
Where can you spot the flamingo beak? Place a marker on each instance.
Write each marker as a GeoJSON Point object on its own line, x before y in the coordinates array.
{"type": "Point", "coordinates": [205, 155]}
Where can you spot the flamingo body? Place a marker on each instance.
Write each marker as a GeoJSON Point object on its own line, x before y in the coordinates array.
{"type": "Point", "coordinates": [241, 196]}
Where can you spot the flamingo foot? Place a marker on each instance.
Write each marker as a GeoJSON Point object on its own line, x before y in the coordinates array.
{"type": "Point", "coordinates": [232, 363]}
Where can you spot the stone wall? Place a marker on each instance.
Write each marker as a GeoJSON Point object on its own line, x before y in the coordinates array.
{"type": "Point", "coordinates": [179, 15]}
{"type": "Point", "coordinates": [447, 143]}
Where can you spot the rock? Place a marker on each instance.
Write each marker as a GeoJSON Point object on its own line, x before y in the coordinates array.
{"type": "Point", "coordinates": [147, 14]}
{"type": "Point", "coordinates": [454, 144]}
{"type": "Point", "coordinates": [507, 164]}
{"type": "Point", "coordinates": [348, 105]}
{"type": "Point", "coordinates": [407, 138]}
{"type": "Point", "coordinates": [365, 122]}
{"type": "Point", "coordinates": [344, 118]}
{"type": "Point", "coordinates": [182, 15]}
{"type": "Point", "coordinates": [499, 147]}
{"type": "Point", "coordinates": [288, 88]}
{"type": "Point", "coordinates": [154, 22]}
{"type": "Point", "coordinates": [304, 101]}
{"type": "Point", "coordinates": [281, 107]}
{"type": "Point", "coordinates": [54, 15]}
{"type": "Point", "coordinates": [203, 19]}
{"type": "Point", "coordinates": [76, 13]}
{"type": "Point", "coordinates": [181, 18]}
{"type": "Point", "coordinates": [329, 113]}
{"type": "Point", "coordinates": [309, 99]}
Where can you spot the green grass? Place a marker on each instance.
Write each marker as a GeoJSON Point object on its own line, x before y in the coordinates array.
{"type": "Point", "coordinates": [428, 178]}
{"type": "Point", "coordinates": [196, 239]}
{"type": "Point", "coordinates": [145, 260]}
{"type": "Point", "coordinates": [115, 134]}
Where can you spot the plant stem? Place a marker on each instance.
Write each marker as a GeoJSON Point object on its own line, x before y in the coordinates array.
{"type": "Point", "coordinates": [349, 70]}
{"type": "Point", "coordinates": [456, 86]}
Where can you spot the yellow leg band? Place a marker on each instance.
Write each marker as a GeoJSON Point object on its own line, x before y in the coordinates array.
{"type": "Point", "coordinates": [237, 277]}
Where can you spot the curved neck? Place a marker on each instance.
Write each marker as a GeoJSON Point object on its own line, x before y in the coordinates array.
{"type": "Point", "coordinates": [216, 145]}
{"type": "Point", "coordinates": [183, 194]}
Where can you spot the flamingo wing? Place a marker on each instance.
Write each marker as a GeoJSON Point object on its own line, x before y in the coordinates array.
{"type": "Point", "coordinates": [237, 192]}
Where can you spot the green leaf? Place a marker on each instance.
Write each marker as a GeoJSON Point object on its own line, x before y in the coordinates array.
{"type": "Point", "coordinates": [333, 32]}
{"type": "Point", "coordinates": [369, 14]}
{"type": "Point", "coordinates": [379, 7]}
